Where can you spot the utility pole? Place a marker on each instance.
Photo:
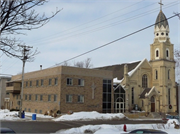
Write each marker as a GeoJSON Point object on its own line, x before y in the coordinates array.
{"type": "Point", "coordinates": [25, 51]}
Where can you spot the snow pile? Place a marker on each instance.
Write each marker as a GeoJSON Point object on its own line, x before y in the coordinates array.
{"type": "Point", "coordinates": [7, 115]}
{"type": "Point", "coordinates": [117, 129]}
{"type": "Point", "coordinates": [89, 116]}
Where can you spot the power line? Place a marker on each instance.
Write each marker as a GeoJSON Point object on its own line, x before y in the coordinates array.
{"type": "Point", "coordinates": [113, 41]}
{"type": "Point", "coordinates": [110, 25]}
{"type": "Point", "coordinates": [92, 20]}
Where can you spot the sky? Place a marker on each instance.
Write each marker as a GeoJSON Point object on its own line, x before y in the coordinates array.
{"type": "Point", "coordinates": [83, 25]}
{"type": "Point", "coordinates": [96, 129]}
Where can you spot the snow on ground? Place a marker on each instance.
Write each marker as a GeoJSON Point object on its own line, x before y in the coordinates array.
{"type": "Point", "coordinates": [89, 116]}
{"type": "Point", "coordinates": [7, 115]}
{"type": "Point", "coordinates": [96, 129]}
{"type": "Point", "coordinates": [118, 129]}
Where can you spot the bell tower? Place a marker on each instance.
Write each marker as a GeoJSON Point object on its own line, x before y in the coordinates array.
{"type": "Point", "coordinates": [163, 64]}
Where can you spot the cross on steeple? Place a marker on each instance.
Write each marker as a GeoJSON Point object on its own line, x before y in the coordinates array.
{"type": "Point", "coordinates": [160, 3]}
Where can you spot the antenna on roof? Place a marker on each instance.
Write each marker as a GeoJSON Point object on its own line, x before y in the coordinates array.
{"type": "Point", "coordinates": [160, 3]}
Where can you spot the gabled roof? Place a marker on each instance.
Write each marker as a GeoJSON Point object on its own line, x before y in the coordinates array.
{"type": "Point", "coordinates": [146, 90]}
{"type": "Point", "coordinates": [118, 70]}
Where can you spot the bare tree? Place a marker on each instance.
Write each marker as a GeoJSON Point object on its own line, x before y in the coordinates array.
{"type": "Point", "coordinates": [65, 63]}
{"type": "Point", "coordinates": [87, 63]}
{"type": "Point", "coordinates": [79, 64]}
{"type": "Point", "coordinates": [17, 16]}
{"type": "Point", "coordinates": [84, 64]}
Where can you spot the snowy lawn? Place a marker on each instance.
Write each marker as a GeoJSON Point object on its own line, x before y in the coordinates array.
{"type": "Point", "coordinates": [118, 129]}
{"type": "Point", "coordinates": [7, 115]}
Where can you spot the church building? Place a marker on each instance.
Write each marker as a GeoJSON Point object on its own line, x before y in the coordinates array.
{"type": "Point", "coordinates": [148, 84]}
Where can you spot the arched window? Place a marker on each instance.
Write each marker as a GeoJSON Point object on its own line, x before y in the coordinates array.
{"type": "Point", "coordinates": [156, 74]}
{"type": "Point", "coordinates": [167, 53]}
{"type": "Point", "coordinates": [152, 99]}
{"type": "Point", "coordinates": [144, 81]}
{"type": "Point", "coordinates": [168, 74]}
{"type": "Point", "coordinates": [157, 53]}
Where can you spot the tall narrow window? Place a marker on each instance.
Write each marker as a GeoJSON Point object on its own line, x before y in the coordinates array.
{"type": "Point", "coordinates": [30, 83]}
{"type": "Point", "coordinates": [132, 97]}
{"type": "Point", "coordinates": [42, 81]}
{"type": "Point", "coordinates": [157, 53]}
{"type": "Point", "coordinates": [144, 81]}
{"type": "Point", "coordinates": [37, 83]}
{"type": "Point", "coordinates": [50, 80]}
{"type": "Point", "coordinates": [169, 94]}
{"type": "Point", "coordinates": [156, 74]}
{"type": "Point", "coordinates": [168, 74]}
{"type": "Point", "coordinates": [55, 81]}
{"type": "Point", "coordinates": [167, 53]}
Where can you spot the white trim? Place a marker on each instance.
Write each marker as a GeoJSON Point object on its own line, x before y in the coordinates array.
{"type": "Point", "coordinates": [153, 88]}
{"type": "Point", "coordinates": [157, 49]}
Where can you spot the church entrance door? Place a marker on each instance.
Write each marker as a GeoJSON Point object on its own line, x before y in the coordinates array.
{"type": "Point", "coordinates": [119, 107]}
{"type": "Point", "coordinates": [152, 104]}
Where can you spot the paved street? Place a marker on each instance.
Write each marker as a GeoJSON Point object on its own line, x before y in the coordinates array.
{"type": "Point", "coordinates": [52, 127]}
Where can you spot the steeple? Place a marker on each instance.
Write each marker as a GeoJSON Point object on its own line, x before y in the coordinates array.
{"type": "Point", "coordinates": [161, 29]}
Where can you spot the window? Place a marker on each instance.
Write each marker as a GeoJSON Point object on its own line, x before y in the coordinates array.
{"type": "Point", "coordinates": [30, 83]}
{"type": "Point", "coordinates": [30, 97]}
{"type": "Point", "coordinates": [36, 97]}
{"type": "Point", "coordinates": [41, 97]}
{"type": "Point", "coordinates": [26, 83]}
{"type": "Point", "coordinates": [156, 74]}
{"type": "Point", "coordinates": [157, 53]}
{"type": "Point", "coordinates": [168, 74]}
{"type": "Point", "coordinates": [29, 110]}
{"type": "Point", "coordinates": [169, 94]}
{"type": "Point", "coordinates": [37, 83]}
{"type": "Point", "coordinates": [35, 110]}
{"type": "Point", "coordinates": [69, 81]}
{"type": "Point", "coordinates": [80, 98]}
{"type": "Point", "coordinates": [26, 97]}
{"type": "Point", "coordinates": [49, 97]}
{"type": "Point", "coordinates": [144, 81]}
{"type": "Point", "coordinates": [68, 98]}
{"type": "Point", "coordinates": [167, 53]}
{"type": "Point", "coordinates": [132, 97]}
{"type": "Point", "coordinates": [40, 111]}
{"type": "Point", "coordinates": [42, 82]}
{"type": "Point", "coordinates": [50, 80]}
{"type": "Point", "coordinates": [55, 97]}
{"type": "Point", "coordinates": [107, 87]}
{"type": "Point", "coordinates": [55, 81]}
{"type": "Point", "coordinates": [80, 82]}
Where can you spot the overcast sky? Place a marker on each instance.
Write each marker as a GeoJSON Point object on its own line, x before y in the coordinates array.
{"type": "Point", "coordinates": [83, 25]}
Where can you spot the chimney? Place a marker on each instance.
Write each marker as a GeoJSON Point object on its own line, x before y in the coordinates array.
{"type": "Point", "coordinates": [40, 67]}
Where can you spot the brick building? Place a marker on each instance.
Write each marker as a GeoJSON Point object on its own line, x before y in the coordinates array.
{"type": "Point", "coordinates": [63, 88]}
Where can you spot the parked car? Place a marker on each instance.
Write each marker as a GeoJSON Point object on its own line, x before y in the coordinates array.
{"type": "Point", "coordinates": [6, 130]}
{"type": "Point", "coordinates": [171, 117]}
{"type": "Point", "coordinates": [149, 131]}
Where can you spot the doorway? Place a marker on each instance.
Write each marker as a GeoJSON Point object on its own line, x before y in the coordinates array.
{"type": "Point", "coordinates": [152, 104]}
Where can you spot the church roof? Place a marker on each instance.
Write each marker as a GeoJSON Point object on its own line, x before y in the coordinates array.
{"type": "Point", "coordinates": [162, 19]}
{"type": "Point", "coordinates": [118, 70]}
{"type": "Point", "coordinates": [146, 90]}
